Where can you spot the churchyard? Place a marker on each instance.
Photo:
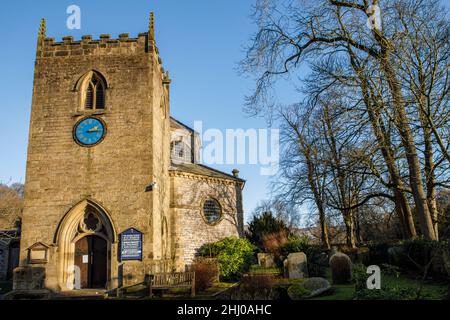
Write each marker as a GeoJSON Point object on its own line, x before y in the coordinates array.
{"type": "Point", "coordinates": [236, 269]}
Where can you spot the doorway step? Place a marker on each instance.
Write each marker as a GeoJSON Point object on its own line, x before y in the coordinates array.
{"type": "Point", "coordinates": [84, 294]}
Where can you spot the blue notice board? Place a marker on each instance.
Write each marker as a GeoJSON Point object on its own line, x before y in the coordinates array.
{"type": "Point", "coordinates": [131, 245]}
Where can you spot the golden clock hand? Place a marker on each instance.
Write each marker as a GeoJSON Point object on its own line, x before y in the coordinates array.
{"type": "Point", "coordinates": [95, 129]}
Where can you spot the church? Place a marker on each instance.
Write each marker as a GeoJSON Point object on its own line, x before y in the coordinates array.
{"type": "Point", "coordinates": [114, 189]}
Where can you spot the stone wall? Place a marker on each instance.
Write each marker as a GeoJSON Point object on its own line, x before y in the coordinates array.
{"type": "Point", "coordinates": [115, 173]}
{"type": "Point", "coordinates": [64, 178]}
{"type": "Point", "coordinates": [191, 230]}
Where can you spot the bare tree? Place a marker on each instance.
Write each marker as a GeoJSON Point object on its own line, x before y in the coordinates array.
{"type": "Point", "coordinates": [301, 164]}
{"type": "Point", "coordinates": [292, 32]}
{"type": "Point", "coordinates": [11, 205]}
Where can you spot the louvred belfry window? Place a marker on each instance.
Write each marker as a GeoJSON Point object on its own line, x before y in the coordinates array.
{"type": "Point", "coordinates": [94, 93]}
{"type": "Point", "coordinates": [89, 103]}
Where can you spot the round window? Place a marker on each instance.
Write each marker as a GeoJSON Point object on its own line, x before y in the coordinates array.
{"type": "Point", "coordinates": [212, 211]}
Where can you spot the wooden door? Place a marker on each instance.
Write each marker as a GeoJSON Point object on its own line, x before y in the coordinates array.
{"type": "Point", "coordinates": [98, 272]}
{"type": "Point", "coordinates": [91, 257]}
{"type": "Point", "coordinates": [82, 261]}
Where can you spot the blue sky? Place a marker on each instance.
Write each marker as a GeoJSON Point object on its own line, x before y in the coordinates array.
{"type": "Point", "coordinates": [200, 42]}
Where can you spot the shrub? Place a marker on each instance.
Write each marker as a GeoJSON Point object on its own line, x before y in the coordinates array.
{"type": "Point", "coordinates": [274, 242]}
{"type": "Point", "coordinates": [390, 270]}
{"type": "Point", "coordinates": [263, 225]}
{"type": "Point", "coordinates": [257, 287]}
{"type": "Point", "coordinates": [378, 252]}
{"type": "Point", "coordinates": [418, 254]}
{"type": "Point", "coordinates": [360, 276]}
{"type": "Point", "coordinates": [235, 256]}
{"type": "Point", "coordinates": [295, 244]}
{"type": "Point", "coordinates": [206, 273]}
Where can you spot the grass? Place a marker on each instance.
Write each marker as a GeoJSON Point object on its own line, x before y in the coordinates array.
{"type": "Point", "coordinates": [261, 270]}
{"type": "Point", "coordinates": [218, 287]}
{"type": "Point", "coordinates": [430, 291]}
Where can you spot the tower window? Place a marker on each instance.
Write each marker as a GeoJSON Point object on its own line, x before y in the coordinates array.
{"type": "Point", "coordinates": [94, 92]}
{"type": "Point", "coordinates": [89, 104]}
{"type": "Point", "coordinates": [212, 211]}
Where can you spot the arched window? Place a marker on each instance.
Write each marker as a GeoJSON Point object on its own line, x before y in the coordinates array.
{"type": "Point", "coordinates": [180, 152]}
{"type": "Point", "coordinates": [93, 91]}
{"type": "Point", "coordinates": [212, 211]}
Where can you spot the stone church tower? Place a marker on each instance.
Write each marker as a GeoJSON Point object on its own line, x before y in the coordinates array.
{"type": "Point", "coordinates": [113, 188]}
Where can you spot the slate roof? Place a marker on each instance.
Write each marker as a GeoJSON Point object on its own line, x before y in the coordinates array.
{"type": "Point", "coordinates": [175, 124]}
{"type": "Point", "coordinates": [203, 170]}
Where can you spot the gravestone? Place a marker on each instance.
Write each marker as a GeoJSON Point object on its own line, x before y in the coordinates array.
{"type": "Point", "coordinates": [266, 260]}
{"type": "Point", "coordinates": [285, 269]}
{"type": "Point", "coordinates": [315, 286]}
{"type": "Point", "coordinates": [395, 255]}
{"type": "Point", "coordinates": [341, 268]}
{"type": "Point", "coordinates": [297, 265]}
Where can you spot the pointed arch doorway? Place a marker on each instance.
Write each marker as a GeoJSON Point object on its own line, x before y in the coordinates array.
{"type": "Point", "coordinates": [85, 239]}
{"type": "Point", "coordinates": [91, 259]}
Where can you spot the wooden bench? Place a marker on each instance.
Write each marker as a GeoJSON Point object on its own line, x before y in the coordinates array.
{"type": "Point", "coordinates": [172, 280]}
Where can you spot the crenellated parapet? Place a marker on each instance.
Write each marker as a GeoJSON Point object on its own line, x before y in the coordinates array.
{"type": "Point", "coordinates": [104, 45]}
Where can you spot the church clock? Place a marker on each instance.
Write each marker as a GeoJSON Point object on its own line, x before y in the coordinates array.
{"type": "Point", "coordinates": [89, 132]}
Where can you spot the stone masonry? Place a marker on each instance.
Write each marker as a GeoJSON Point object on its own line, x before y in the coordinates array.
{"type": "Point", "coordinates": [64, 178]}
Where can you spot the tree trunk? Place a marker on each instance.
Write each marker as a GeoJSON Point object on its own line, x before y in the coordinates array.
{"type": "Point", "coordinates": [428, 153]}
{"type": "Point", "coordinates": [402, 207]}
{"type": "Point", "coordinates": [350, 229]}
{"type": "Point", "coordinates": [340, 181]}
{"type": "Point", "coordinates": [312, 180]}
{"type": "Point", "coordinates": [404, 129]}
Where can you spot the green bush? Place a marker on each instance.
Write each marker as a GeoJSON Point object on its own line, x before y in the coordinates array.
{"type": "Point", "coordinates": [391, 270]}
{"type": "Point", "coordinates": [378, 252]}
{"type": "Point", "coordinates": [295, 244]}
{"type": "Point", "coordinates": [418, 253]}
{"type": "Point", "coordinates": [360, 276]}
{"type": "Point", "coordinates": [235, 256]}
{"type": "Point", "coordinates": [263, 225]}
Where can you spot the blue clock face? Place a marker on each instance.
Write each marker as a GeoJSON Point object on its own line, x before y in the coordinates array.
{"type": "Point", "coordinates": [89, 132]}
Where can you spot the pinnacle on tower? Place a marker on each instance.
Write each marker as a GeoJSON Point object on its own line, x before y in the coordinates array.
{"type": "Point", "coordinates": [41, 37]}
{"type": "Point", "coordinates": [166, 79]}
{"type": "Point", "coordinates": [152, 26]}
{"type": "Point", "coordinates": [42, 29]}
